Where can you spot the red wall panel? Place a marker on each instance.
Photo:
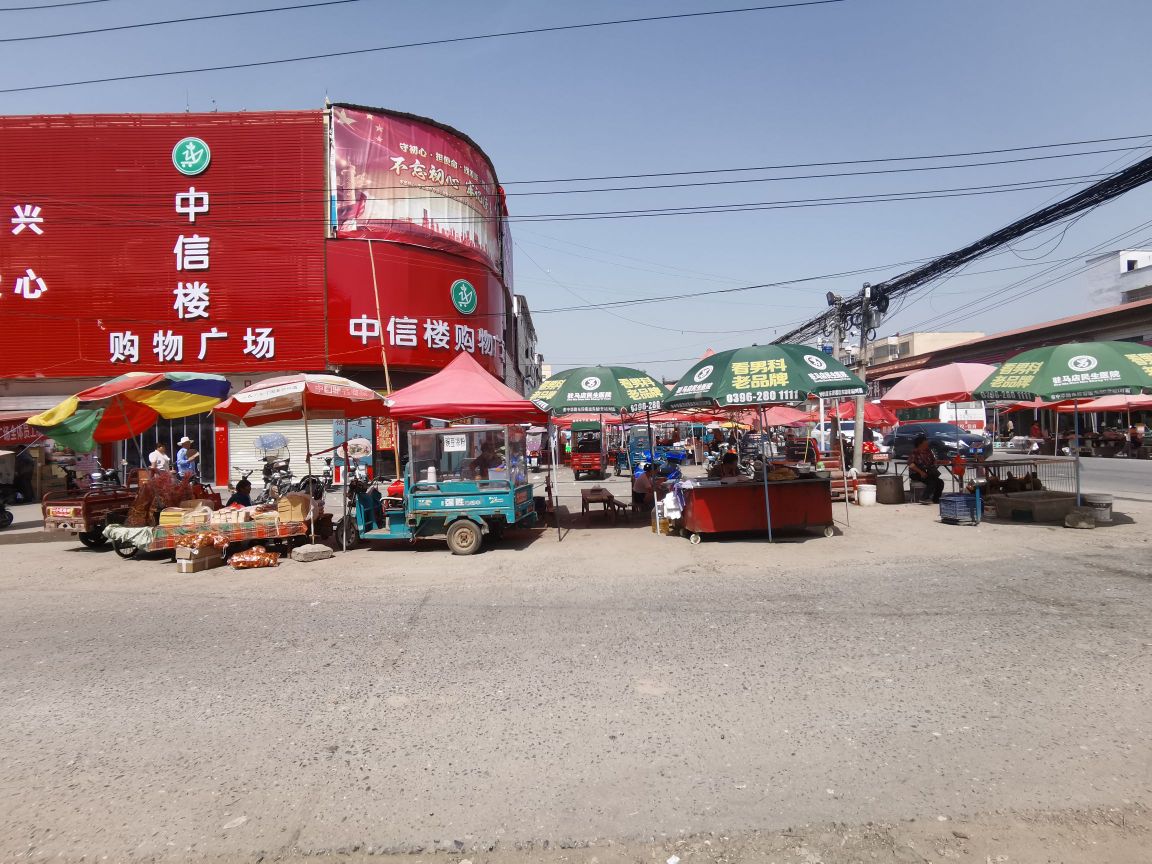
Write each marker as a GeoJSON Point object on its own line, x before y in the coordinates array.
{"type": "Point", "coordinates": [106, 188]}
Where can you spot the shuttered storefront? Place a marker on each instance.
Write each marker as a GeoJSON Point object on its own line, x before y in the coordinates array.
{"type": "Point", "coordinates": [243, 455]}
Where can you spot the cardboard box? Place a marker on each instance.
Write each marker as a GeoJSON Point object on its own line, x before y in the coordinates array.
{"type": "Point", "coordinates": [195, 565]}
{"type": "Point", "coordinates": [229, 516]}
{"type": "Point", "coordinates": [187, 553]}
{"type": "Point", "coordinates": [171, 516]}
{"type": "Point", "coordinates": [294, 507]}
{"type": "Point", "coordinates": [193, 503]}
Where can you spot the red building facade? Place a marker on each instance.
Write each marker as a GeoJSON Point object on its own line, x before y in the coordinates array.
{"type": "Point", "coordinates": [246, 244]}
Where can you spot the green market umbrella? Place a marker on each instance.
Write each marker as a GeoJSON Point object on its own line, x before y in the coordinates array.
{"type": "Point", "coordinates": [1077, 371]}
{"type": "Point", "coordinates": [762, 375]}
{"type": "Point", "coordinates": [599, 390]}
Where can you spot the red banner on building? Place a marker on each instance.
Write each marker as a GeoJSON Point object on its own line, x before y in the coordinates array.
{"type": "Point", "coordinates": [190, 241]}
{"type": "Point", "coordinates": [402, 179]}
{"type": "Point", "coordinates": [433, 306]}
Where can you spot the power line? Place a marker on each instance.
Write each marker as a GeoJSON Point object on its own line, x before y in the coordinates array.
{"type": "Point", "coordinates": [1085, 199]}
{"type": "Point", "coordinates": [835, 163]}
{"type": "Point", "coordinates": [52, 6]}
{"type": "Point", "coordinates": [423, 44]}
{"type": "Point", "coordinates": [118, 27]}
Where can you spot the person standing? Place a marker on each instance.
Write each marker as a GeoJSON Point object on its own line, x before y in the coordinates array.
{"type": "Point", "coordinates": [25, 469]}
{"type": "Point", "coordinates": [158, 459]}
{"type": "Point", "coordinates": [922, 466]}
{"type": "Point", "coordinates": [187, 457]}
{"type": "Point", "coordinates": [1010, 429]}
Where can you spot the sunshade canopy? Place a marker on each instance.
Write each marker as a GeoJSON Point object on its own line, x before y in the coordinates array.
{"type": "Point", "coordinates": [599, 389]}
{"type": "Point", "coordinates": [762, 375]}
{"type": "Point", "coordinates": [1078, 370]}
{"type": "Point", "coordinates": [875, 414]}
{"type": "Point", "coordinates": [1119, 403]}
{"type": "Point", "coordinates": [296, 397]}
{"type": "Point", "coordinates": [462, 389]}
{"type": "Point", "coordinates": [952, 383]}
{"type": "Point", "coordinates": [127, 406]}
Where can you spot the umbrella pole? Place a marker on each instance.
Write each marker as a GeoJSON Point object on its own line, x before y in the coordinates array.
{"type": "Point", "coordinates": [555, 479]}
{"type": "Point", "coordinates": [1076, 445]}
{"type": "Point", "coordinates": [344, 521]}
{"type": "Point", "coordinates": [308, 456]}
{"type": "Point", "coordinates": [651, 440]}
{"type": "Point", "coordinates": [844, 476]}
{"type": "Point", "coordinates": [764, 480]}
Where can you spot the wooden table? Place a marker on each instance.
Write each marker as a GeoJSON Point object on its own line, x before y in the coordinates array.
{"type": "Point", "coordinates": [602, 496]}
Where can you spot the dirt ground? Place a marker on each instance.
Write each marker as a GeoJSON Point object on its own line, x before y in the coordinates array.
{"type": "Point", "coordinates": [905, 690]}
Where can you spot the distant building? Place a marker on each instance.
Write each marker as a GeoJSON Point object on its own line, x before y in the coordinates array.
{"type": "Point", "coordinates": [904, 345]}
{"type": "Point", "coordinates": [1118, 277]}
{"type": "Point", "coordinates": [523, 373]}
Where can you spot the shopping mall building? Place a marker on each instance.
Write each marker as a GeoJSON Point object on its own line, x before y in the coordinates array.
{"type": "Point", "coordinates": [356, 240]}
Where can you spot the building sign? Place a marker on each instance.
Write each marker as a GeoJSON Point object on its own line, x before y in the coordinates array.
{"type": "Point", "coordinates": [406, 180]}
{"type": "Point", "coordinates": [179, 241]}
{"type": "Point", "coordinates": [420, 323]}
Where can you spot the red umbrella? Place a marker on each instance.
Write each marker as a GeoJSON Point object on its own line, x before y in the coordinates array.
{"type": "Point", "coordinates": [952, 383]}
{"type": "Point", "coordinates": [782, 415]}
{"type": "Point", "coordinates": [297, 397]}
{"type": "Point", "coordinates": [462, 389]}
{"type": "Point", "coordinates": [876, 415]}
{"type": "Point", "coordinates": [1118, 403]}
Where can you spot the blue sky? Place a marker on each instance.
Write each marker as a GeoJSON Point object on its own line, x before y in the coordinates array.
{"type": "Point", "coordinates": [861, 79]}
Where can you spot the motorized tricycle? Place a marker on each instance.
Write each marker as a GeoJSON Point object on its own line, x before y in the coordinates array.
{"type": "Point", "coordinates": [461, 482]}
{"type": "Point", "coordinates": [589, 451]}
{"type": "Point", "coordinates": [85, 512]}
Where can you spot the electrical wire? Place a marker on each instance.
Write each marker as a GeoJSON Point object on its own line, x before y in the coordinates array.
{"type": "Point", "coordinates": [423, 44]}
{"type": "Point", "coordinates": [142, 25]}
{"type": "Point", "coordinates": [52, 6]}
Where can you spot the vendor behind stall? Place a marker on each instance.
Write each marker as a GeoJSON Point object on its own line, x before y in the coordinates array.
{"type": "Point", "coordinates": [242, 497]}
{"type": "Point", "coordinates": [644, 488]}
{"type": "Point", "coordinates": [729, 466]}
{"type": "Point", "coordinates": [922, 466]}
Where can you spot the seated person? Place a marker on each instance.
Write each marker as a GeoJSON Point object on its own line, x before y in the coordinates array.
{"type": "Point", "coordinates": [644, 488]}
{"type": "Point", "coordinates": [487, 459]}
{"type": "Point", "coordinates": [242, 496]}
{"type": "Point", "coordinates": [729, 466]}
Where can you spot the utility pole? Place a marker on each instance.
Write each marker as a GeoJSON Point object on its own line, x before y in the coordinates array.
{"type": "Point", "coordinates": [865, 328]}
{"type": "Point", "coordinates": [836, 302]}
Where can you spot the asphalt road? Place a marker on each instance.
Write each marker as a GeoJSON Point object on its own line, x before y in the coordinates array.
{"type": "Point", "coordinates": [615, 686]}
{"type": "Point", "coordinates": [1127, 479]}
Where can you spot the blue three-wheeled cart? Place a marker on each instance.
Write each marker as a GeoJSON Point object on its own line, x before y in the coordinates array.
{"type": "Point", "coordinates": [461, 483]}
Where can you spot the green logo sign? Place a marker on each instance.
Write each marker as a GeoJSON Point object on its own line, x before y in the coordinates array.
{"type": "Point", "coordinates": [191, 156]}
{"type": "Point", "coordinates": [464, 296]}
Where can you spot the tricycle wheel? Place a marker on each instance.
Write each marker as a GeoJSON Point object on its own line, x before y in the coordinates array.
{"type": "Point", "coordinates": [694, 539]}
{"type": "Point", "coordinates": [6, 518]}
{"type": "Point", "coordinates": [347, 533]}
{"type": "Point", "coordinates": [124, 549]}
{"type": "Point", "coordinates": [93, 539]}
{"type": "Point", "coordinates": [464, 538]}
{"type": "Point", "coordinates": [829, 531]}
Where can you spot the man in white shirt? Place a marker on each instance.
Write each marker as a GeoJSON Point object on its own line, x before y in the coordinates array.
{"type": "Point", "coordinates": [159, 460]}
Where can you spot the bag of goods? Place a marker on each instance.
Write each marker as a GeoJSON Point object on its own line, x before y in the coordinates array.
{"type": "Point", "coordinates": [781, 474]}
{"type": "Point", "coordinates": [257, 556]}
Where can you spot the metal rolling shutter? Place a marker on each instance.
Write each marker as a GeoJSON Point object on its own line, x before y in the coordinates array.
{"type": "Point", "coordinates": [242, 452]}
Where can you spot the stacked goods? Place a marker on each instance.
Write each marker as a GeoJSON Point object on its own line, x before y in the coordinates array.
{"type": "Point", "coordinates": [201, 551]}
{"type": "Point", "coordinates": [201, 540]}
{"type": "Point", "coordinates": [170, 516]}
{"type": "Point", "coordinates": [257, 556]}
{"type": "Point", "coordinates": [230, 516]}
{"type": "Point", "coordinates": [295, 507]}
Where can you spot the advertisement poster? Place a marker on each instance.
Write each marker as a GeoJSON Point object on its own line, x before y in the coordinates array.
{"type": "Point", "coordinates": [404, 180]}
{"type": "Point", "coordinates": [358, 450]}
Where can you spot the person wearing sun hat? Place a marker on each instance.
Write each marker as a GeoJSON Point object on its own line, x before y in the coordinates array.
{"type": "Point", "coordinates": [187, 457]}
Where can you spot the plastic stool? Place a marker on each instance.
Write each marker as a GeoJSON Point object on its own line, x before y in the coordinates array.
{"type": "Point", "coordinates": [917, 492]}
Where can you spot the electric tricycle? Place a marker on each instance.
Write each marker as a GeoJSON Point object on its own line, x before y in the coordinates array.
{"type": "Point", "coordinates": [589, 453]}
{"type": "Point", "coordinates": [461, 483]}
{"type": "Point", "coordinates": [84, 512]}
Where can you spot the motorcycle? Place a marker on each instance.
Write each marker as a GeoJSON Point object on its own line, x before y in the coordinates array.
{"type": "Point", "coordinates": [317, 485]}
{"type": "Point", "coordinates": [277, 475]}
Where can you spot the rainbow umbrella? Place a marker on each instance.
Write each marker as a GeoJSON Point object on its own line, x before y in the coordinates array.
{"type": "Point", "coordinates": [127, 406]}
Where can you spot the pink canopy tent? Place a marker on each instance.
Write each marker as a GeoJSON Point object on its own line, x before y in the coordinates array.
{"type": "Point", "coordinates": [1032, 405]}
{"type": "Point", "coordinates": [952, 383]}
{"type": "Point", "coordinates": [783, 415]}
{"type": "Point", "coordinates": [876, 415]}
{"type": "Point", "coordinates": [460, 390]}
{"type": "Point", "coordinates": [1118, 403]}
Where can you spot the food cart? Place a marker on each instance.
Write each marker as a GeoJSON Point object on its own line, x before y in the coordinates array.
{"type": "Point", "coordinates": [127, 542]}
{"type": "Point", "coordinates": [736, 505]}
{"type": "Point", "coordinates": [589, 450]}
{"type": "Point", "coordinates": [461, 483]}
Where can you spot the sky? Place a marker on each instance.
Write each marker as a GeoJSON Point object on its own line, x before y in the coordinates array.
{"type": "Point", "coordinates": [846, 81]}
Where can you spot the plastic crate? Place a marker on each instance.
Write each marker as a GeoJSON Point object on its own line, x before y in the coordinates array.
{"type": "Point", "coordinates": [957, 507]}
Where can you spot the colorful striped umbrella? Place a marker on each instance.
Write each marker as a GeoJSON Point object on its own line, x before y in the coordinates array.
{"type": "Point", "coordinates": [127, 406]}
